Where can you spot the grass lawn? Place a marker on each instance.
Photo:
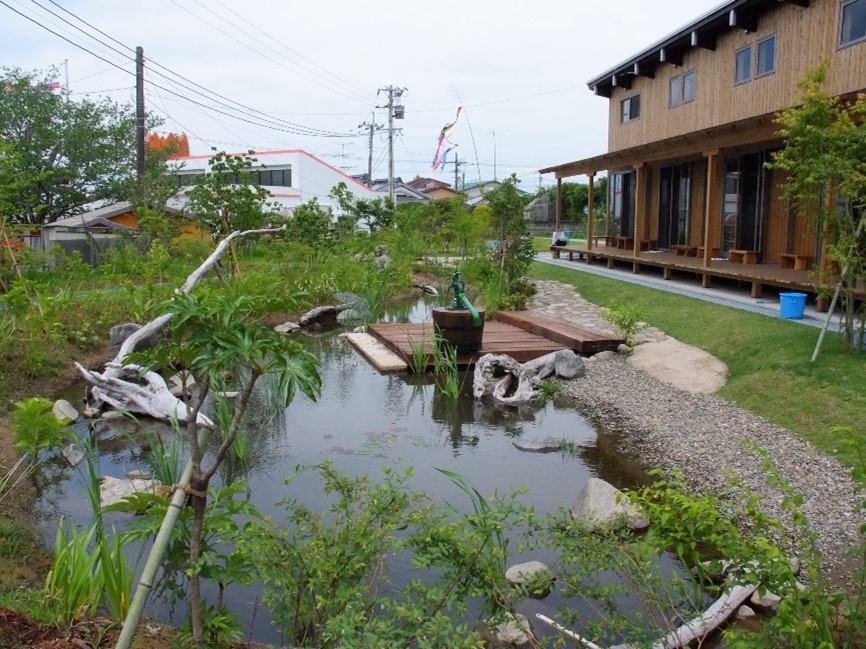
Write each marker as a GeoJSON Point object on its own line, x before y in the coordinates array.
{"type": "Point", "coordinates": [769, 359]}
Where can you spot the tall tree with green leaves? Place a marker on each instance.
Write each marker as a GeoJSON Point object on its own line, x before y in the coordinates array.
{"type": "Point", "coordinates": [824, 158]}
{"type": "Point", "coordinates": [65, 152]}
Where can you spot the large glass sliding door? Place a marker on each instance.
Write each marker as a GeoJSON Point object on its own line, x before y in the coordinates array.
{"type": "Point", "coordinates": [746, 207]}
{"type": "Point", "coordinates": [674, 201]}
{"type": "Point", "coordinates": [622, 203]}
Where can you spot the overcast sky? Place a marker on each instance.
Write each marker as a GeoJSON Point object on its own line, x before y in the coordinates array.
{"type": "Point", "coordinates": [519, 71]}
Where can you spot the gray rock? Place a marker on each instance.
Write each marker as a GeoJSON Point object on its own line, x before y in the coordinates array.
{"type": "Point", "coordinates": [349, 315]}
{"type": "Point", "coordinates": [568, 365]}
{"type": "Point", "coordinates": [624, 350]}
{"type": "Point", "coordinates": [111, 414]}
{"type": "Point", "coordinates": [745, 613]}
{"type": "Point", "coordinates": [767, 602]}
{"type": "Point", "coordinates": [64, 411]}
{"type": "Point", "coordinates": [382, 262]}
{"type": "Point", "coordinates": [118, 334]}
{"type": "Point", "coordinates": [72, 454]}
{"type": "Point", "coordinates": [226, 395]}
{"type": "Point", "coordinates": [138, 474]}
{"type": "Point", "coordinates": [113, 490]}
{"type": "Point", "coordinates": [536, 576]}
{"type": "Point", "coordinates": [287, 328]}
{"type": "Point", "coordinates": [600, 504]}
{"type": "Point", "coordinates": [91, 412]}
{"type": "Point", "coordinates": [514, 633]}
{"type": "Point", "coordinates": [604, 356]}
{"type": "Point", "coordinates": [538, 446]}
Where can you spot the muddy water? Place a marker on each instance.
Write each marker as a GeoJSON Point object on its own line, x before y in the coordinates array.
{"type": "Point", "coordinates": [363, 421]}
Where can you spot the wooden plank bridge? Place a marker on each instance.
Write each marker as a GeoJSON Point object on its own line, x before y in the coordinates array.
{"type": "Point", "coordinates": [523, 335]}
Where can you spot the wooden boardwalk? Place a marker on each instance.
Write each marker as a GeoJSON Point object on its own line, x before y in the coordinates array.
{"type": "Point", "coordinates": [572, 336]}
{"type": "Point", "coordinates": [499, 338]}
{"type": "Point", "coordinates": [755, 275]}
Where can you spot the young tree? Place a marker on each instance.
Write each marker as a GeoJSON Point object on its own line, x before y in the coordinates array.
{"type": "Point", "coordinates": [227, 200]}
{"type": "Point", "coordinates": [508, 224]}
{"type": "Point", "coordinates": [310, 224]}
{"type": "Point", "coordinates": [67, 152]}
{"type": "Point", "coordinates": [825, 159]}
{"type": "Point", "coordinates": [376, 214]}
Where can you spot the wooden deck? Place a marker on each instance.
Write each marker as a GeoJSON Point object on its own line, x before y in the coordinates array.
{"type": "Point", "coordinates": [756, 276]}
{"type": "Point", "coordinates": [499, 338]}
{"type": "Point", "coordinates": [577, 338]}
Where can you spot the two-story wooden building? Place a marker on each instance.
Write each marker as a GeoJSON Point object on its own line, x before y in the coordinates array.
{"type": "Point", "coordinates": [692, 124]}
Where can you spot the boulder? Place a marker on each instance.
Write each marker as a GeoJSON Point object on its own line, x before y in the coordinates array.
{"type": "Point", "coordinates": [73, 454]}
{"type": "Point", "coordinates": [64, 411]}
{"type": "Point", "coordinates": [118, 334]}
{"type": "Point", "coordinates": [745, 613]}
{"type": "Point", "coordinates": [600, 504]}
{"type": "Point", "coordinates": [568, 365]}
{"type": "Point", "coordinates": [604, 356]}
{"type": "Point", "coordinates": [111, 414]}
{"type": "Point", "coordinates": [765, 601]}
{"type": "Point", "coordinates": [113, 490]}
{"type": "Point", "coordinates": [514, 633]}
{"type": "Point", "coordinates": [287, 328]}
{"type": "Point", "coordinates": [534, 575]}
{"type": "Point", "coordinates": [538, 446]}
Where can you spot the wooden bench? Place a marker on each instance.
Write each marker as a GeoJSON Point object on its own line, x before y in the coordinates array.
{"type": "Point", "coordinates": [684, 250]}
{"type": "Point", "coordinates": [714, 252]}
{"type": "Point", "coordinates": [598, 238]}
{"type": "Point", "coordinates": [557, 250]}
{"type": "Point", "coordinates": [559, 331]}
{"type": "Point", "coordinates": [797, 262]}
{"type": "Point", "coordinates": [625, 243]}
{"type": "Point", "coordinates": [743, 256]}
{"type": "Point", "coordinates": [649, 244]}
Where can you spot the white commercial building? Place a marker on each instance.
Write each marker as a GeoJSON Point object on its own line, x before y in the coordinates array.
{"type": "Point", "coordinates": [291, 176]}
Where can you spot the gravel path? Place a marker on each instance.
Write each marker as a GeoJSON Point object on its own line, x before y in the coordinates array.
{"type": "Point", "coordinates": [706, 436]}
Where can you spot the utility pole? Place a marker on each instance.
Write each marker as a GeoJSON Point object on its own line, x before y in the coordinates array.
{"type": "Point", "coordinates": [395, 111]}
{"type": "Point", "coordinates": [493, 133]}
{"type": "Point", "coordinates": [373, 127]}
{"type": "Point", "coordinates": [139, 117]}
{"type": "Point", "coordinates": [457, 164]}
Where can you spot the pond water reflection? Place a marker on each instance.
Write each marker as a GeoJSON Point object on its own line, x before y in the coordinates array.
{"type": "Point", "coordinates": [364, 421]}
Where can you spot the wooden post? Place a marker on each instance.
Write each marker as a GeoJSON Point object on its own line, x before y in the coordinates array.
{"type": "Point", "coordinates": [713, 206]}
{"type": "Point", "coordinates": [558, 204]}
{"type": "Point", "coordinates": [589, 207]}
{"type": "Point", "coordinates": [639, 208]}
{"type": "Point", "coordinates": [822, 304]}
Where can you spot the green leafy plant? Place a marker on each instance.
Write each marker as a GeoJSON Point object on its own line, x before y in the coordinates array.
{"type": "Point", "coordinates": [546, 391]}
{"type": "Point", "coordinates": [626, 318]}
{"type": "Point", "coordinates": [36, 429]}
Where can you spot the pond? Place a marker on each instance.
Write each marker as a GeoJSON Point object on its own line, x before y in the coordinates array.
{"type": "Point", "coordinates": [364, 421]}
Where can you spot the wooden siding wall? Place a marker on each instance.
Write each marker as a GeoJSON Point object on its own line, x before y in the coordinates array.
{"type": "Point", "coordinates": [804, 38]}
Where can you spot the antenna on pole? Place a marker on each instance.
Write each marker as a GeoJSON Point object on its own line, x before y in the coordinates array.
{"type": "Point", "coordinates": [396, 110]}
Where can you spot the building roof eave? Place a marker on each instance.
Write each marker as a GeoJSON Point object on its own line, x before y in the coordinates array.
{"type": "Point", "coordinates": [761, 130]}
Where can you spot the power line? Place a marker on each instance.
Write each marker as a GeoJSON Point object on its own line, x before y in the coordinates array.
{"type": "Point", "coordinates": [346, 84]}
{"type": "Point", "coordinates": [274, 123]}
{"type": "Point", "coordinates": [272, 60]}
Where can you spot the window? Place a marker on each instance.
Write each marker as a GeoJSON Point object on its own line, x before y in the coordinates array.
{"type": "Point", "coordinates": [676, 92]}
{"type": "Point", "coordinates": [853, 27]}
{"type": "Point", "coordinates": [629, 109]}
{"type": "Point", "coordinates": [743, 65]}
{"type": "Point", "coordinates": [689, 86]}
{"type": "Point", "coordinates": [766, 53]}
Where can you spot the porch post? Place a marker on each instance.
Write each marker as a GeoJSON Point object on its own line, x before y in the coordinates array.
{"type": "Point", "coordinates": [558, 204]}
{"type": "Point", "coordinates": [589, 228]}
{"type": "Point", "coordinates": [639, 209]}
{"type": "Point", "coordinates": [712, 210]}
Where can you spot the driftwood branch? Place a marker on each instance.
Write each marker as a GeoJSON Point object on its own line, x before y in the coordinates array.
{"type": "Point", "coordinates": [508, 381]}
{"type": "Point", "coordinates": [125, 386]}
{"type": "Point", "coordinates": [706, 623]}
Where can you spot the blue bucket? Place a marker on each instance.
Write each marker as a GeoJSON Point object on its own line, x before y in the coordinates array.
{"type": "Point", "coordinates": [793, 305]}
